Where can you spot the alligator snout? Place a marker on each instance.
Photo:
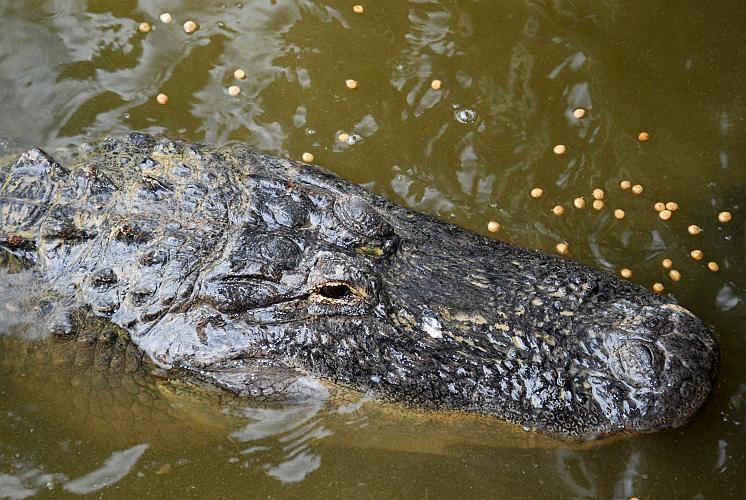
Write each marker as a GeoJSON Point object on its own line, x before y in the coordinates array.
{"type": "Point", "coordinates": [665, 360]}
{"type": "Point", "coordinates": [685, 362]}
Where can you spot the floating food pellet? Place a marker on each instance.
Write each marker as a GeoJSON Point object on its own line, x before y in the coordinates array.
{"type": "Point", "coordinates": [358, 9]}
{"type": "Point", "coordinates": [239, 74]}
{"type": "Point", "coordinates": [644, 136]}
{"type": "Point", "coordinates": [694, 230]}
{"type": "Point", "coordinates": [558, 210]}
{"type": "Point", "coordinates": [537, 193]}
{"type": "Point", "coordinates": [579, 202]}
{"type": "Point", "coordinates": [436, 84]}
{"type": "Point", "coordinates": [659, 206]}
{"type": "Point", "coordinates": [665, 214]}
{"type": "Point", "coordinates": [562, 248]}
{"type": "Point", "coordinates": [598, 204]}
{"type": "Point", "coordinates": [724, 217]}
{"type": "Point", "coordinates": [697, 254]}
{"type": "Point", "coordinates": [619, 213]}
{"type": "Point", "coordinates": [674, 275]}
{"type": "Point", "coordinates": [161, 98]}
{"type": "Point", "coordinates": [598, 194]}
{"type": "Point", "coordinates": [559, 149]}
{"type": "Point", "coordinates": [713, 266]}
{"type": "Point", "coordinates": [343, 137]}
{"type": "Point", "coordinates": [578, 113]}
{"type": "Point", "coordinates": [625, 273]}
{"type": "Point", "coordinates": [166, 18]}
{"type": "Point", "coordinates": [658, 287]}
{"type": "Point", "coordinates": [672, 206]}
{"type": "Point", "coordinates": [351, 84]}
{"type": "Point", "coordinates": [143, 28]}
{"type": "Point", "coordinates": [190, 26]}
{"type": "Point", "coordinates": [493, 226]}
{"type": "Point", "coordinates": [637, 189]}
{"type": "Point", "coordinates": [234, 90]}
{"type": "Point", "coordinates": [625, 184]}
{"type": "Point", "coordinates": [667, 263]}
{"type": "Point", "coordinates": [307, 157]}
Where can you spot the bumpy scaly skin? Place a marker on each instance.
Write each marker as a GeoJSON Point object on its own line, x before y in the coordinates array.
{"type": "Point", "coordinates": [244, 270]}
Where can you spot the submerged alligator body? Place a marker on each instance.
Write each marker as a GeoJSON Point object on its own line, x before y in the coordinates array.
{"type": "Point", "coordinates": [257, 274]}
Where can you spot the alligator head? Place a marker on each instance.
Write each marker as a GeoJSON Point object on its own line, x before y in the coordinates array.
{"type": "Point", "coordinates": [251, 272]}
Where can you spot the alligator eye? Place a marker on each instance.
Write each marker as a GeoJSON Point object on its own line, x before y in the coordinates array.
{"type": "Point", "coordinates": [336, 291]}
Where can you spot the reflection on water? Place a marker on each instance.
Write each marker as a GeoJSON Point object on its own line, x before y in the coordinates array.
{"type": "Point", "coordinates": [512, 73]}
{"type": "Point", "coordinates": [118, 465]}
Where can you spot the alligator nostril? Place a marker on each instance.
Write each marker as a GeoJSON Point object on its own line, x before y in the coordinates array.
{"type": "Point", "coordinates": [337, 291]}
{"type": "Point", "coordinates": [639, 363]}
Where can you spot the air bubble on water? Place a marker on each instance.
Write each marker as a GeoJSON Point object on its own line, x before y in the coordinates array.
{"type": "Point", "coordinates": [310, 131]}
{"type": "Point", "coordinates": [465, 115]}
{"type": "Point", "coordinates": [354, 139]}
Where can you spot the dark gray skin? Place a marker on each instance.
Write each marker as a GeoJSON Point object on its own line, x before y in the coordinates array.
{"type": "Point", "coordinates": [258, 274]}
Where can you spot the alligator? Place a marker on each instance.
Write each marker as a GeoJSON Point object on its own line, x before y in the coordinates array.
{"type": "Point", "coordinates": [261, 275]}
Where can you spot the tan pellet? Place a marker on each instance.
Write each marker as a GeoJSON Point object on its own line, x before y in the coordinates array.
{"type": "Point", "coordinates": [665, 214]}
{"type": "Point", "coordinates": [625, 273]}
{"type": "Point", "coordinates": [190, 26]}
{"type": "Point", "coordinates": [493, 226]}
{"type": "Point", "coordinates": [436, 84]}
{"type": "Point", "coordinates": [307, 157]}
{"type": "Point", "coordinates": [166, 18]}
{"type": "Point", "coordinates": [143, 28]}
{"type": "Point", "coordinates": [625, 184]}
{"type": "Point", "coordinates": [579, 202]}
{"type": "Point", "coordinates": [724, 217]}
{"type": "Point", "coordinates": [343, 137]}
{"type": "Point", "coordinates": [234, 90]}
{"type": "Point", "coordinates": [713, 266]}
{"type": "Point", "coordinates": [537, 193]}
{"type": "Point", "coordinates": [562, 248]}
{"type": "Point", "coordinates": [694, 229]}
{"type": "Point", "coordinates": [351, 84]}
{"type": "Point", "coordinates": [558, 210]}
{"type": "Point", "coordinates": [672, 206]}
{"type": "Point", "coordinates": [619, 213]}
{"type": "Point", "coordinates": [578, 113]}
{"type": "Point", "coordinates": [598, 204]}
{"type": "Point", "coordinates": [659, 206]}
{"type": "Point", "coordinates": [667, 263]}
{"type": "Point", "coordinates": [598, 194]}
{"type": "Point", "coordinates": [697, 254]}
{"type": "Point", "coordinates": [358, 9]}
{"type": "Point", "coordinates": [658, 287]}
{"type": "Point", "coordinates": [637, 189]}
{"type": "Point", "coordinates": [674, 275]}
{"type": "Point", "coordinates": [161, 98]}
{"type": "Point", "coordinates": [559, 149]}
{"type": "Point", "coordinates": [239, 74]}
{"type": "Point", "coordinates": [644, 136]}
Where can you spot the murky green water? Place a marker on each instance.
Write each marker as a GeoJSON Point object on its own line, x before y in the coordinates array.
{"type": "Point", "coordinates": [516, 70]}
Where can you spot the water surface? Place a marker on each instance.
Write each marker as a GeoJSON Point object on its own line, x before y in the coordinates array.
{"type": "Point", "coordinates": [512, 73]}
